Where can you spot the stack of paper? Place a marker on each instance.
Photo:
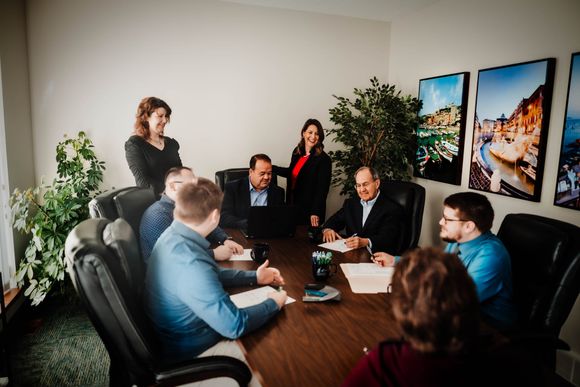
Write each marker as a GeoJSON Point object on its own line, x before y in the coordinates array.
{"type": "Point", "coordinates": [368, 277]}
{"type": "Point", "coordinates": [254, 297]}
{"type": "Point", "coordinates": [243, 257]}
{"type": "Point", "coordinates": [337, 245]}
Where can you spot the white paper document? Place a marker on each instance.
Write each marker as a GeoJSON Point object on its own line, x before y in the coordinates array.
{"type": "Point", "coordinates": [368, 277]}
{"type": "Point", "coordinates": [244, 257]}
{"type": "Point", "coordinates": [337, 245]}
{"type": "Point", "coordinates": [254, 297]}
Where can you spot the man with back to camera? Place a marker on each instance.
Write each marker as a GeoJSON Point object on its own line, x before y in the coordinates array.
{"type": "Point", "coordinates": [159, 216]}
{"type": "Point", "coordinates": [371, 219]}
{"type": "Point", "coordinates": [251, 191]}
{"type": "Point", "coordinates": [184, 286]}
{"type": "Point", "coordinates": [466, 224]}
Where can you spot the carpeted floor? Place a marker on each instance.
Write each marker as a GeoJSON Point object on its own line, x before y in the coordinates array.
{"type": "Point", "coordinates": [58, 346]}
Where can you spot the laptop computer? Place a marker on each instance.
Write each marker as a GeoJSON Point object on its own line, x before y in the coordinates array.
{"type": "Point", "coordinates": [271, 221]}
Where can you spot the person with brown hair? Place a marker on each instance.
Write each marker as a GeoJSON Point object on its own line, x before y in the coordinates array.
{"type": "Point", "coordinates": [436, 309]}
{"type": "Point", "coordinates": [149, 153]}
{"type": "Point", "coordinates": [443, 343]}
{"type": "Point", "coordinates": [184, 287]}
{"type": "Point", "coordinates": [308, 175]}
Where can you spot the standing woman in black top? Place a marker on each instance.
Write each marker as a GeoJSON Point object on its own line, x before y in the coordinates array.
{"type": "Point", "coordinates": [309, 175]}
{"type": "Point", "coordinates": [150, 154]}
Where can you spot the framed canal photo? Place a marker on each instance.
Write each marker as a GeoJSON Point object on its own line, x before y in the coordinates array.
{"type": "Point", "coordinates": [441, 133]}
{"type": "Point", "coordinates": [568, 184]}
{"type": "Point", "coordinates": [510, 129]}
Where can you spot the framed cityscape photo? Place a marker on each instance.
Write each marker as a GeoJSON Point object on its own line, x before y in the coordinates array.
{"type": "Point", "coordinates": [510, 129]}
{"type": "Point", "coordinates": [441, 133]}
{"type": "Point", "coordinates": [568, 184]}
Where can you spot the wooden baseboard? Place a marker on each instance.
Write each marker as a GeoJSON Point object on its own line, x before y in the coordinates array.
{"type": "Point", "coordinates": [10, 295]}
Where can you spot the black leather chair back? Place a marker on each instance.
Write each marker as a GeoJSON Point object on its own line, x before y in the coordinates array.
{"type": "Point", "coordinates": [105, 267]}
{"type": "Point", "coordinates": [227, 175]}
{"type": "Point", "coordinates": [103, 206]}
{"type": "Point", "coordinates": [545, 257]}
{"type": "Point", "coordinates": [131, 204]}
{"type": "Point", "coordinates": [411, 197]}
{"type": "Point", "coordinates": [103, 281]}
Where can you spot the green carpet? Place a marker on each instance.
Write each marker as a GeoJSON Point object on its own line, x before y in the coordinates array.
{"type": "Point", "coordinates": [64, 350]}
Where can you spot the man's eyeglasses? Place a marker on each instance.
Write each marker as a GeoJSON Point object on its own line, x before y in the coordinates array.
{"type": "Point", "coordinates": [447, 220]}
{"type": "Point", "coordinates": [363, 185]}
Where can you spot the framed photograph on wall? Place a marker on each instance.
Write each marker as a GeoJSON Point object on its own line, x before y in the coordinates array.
{"type": "Point", "coordinates": [510, 129]}
{"type": "Point", "coordinates": [568, 184]}
{"type": "Point", "coordinates": [441, 134]}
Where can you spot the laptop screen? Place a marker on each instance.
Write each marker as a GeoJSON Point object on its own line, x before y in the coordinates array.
{"type": "Point", "coordinates": [271, 221]}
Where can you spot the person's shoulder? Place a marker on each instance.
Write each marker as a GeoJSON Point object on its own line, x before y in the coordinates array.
{"type": "Point", "coordinates": [235, 184]}
{"type": "Point", "coordinates": [171, 141]}
{"type": "Point", "coordinates": [135, 140]}
{"type": "Point", "coordinates": [324, 156]}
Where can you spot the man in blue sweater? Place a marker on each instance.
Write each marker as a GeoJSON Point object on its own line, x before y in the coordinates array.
{"type": "Point", "coordinates": [159, 216]}
{"type": "Point", "coordinates": [184, 287]}
{"type": "Point", "coordinates": [466, 224]}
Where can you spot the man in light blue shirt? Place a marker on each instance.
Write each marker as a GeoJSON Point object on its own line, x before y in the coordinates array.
{"type": "Point", "coordinates": [184, 287]}
{"type": "Point", "coordinates": [466, 224]}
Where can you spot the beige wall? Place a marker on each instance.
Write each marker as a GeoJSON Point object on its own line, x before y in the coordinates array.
{"type": "Point", "coordinates": [467, 35]}
{"type": "Point", "coordinates": [16, 100]}
{"type": "Point", "coordinates": [240, 79]}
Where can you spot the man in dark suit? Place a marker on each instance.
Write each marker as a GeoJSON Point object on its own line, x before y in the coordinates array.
{"type": "Point", "coordinates": [254, 190]}
{"type": "Point", "coordinates": [371, 219]}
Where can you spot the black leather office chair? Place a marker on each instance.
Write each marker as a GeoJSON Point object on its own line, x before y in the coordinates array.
{"type": "Point", "coordinates": [102, 206]}
{"type": "Point", "coordinates": [227, 175]}
{"type": "Point", "coordinates": [106, 269]}
{"type": "Point", "coordinates": [132, 203]}
{"type": "Point", "coordinates": [545, 258]}
{"type": "Point", "coordinates": [411, 197]}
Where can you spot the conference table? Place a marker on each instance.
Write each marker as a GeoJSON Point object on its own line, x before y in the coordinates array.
{"type": "Point", "coordinates": [312, 344]}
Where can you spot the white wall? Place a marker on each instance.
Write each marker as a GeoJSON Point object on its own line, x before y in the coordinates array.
{"type": "Point", "coordinates": [240, 79]}
{"type": "Point", "coordinates": [467, 35]}
{"type": "Point", "coordinates": [16, 106]}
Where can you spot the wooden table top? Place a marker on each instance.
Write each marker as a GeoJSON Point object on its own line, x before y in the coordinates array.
{"type": "Point", "coordinates": [313, 344]}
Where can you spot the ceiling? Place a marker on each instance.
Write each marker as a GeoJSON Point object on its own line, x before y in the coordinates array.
{"type": "Point", "coordinates": [383, 10]}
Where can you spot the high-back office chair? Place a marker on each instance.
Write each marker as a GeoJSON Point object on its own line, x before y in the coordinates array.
{"type": "Point", "coordinates": [231, 174]}
{"type": "Point", "coordinates": [545, 259]}
{"type": "Point", "coordinates": [411, 197]}
{"type": "Point", "coordinates": [102, 206]}
{"type": "Point", "coordinates": [131, 204]}
{"type": "Point", "coordinates": [104, 266]}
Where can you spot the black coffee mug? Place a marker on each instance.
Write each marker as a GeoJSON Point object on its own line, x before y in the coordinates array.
{"type": "Point", "coordinates": [324, 271]}
{"type": "Point", "coordinates": [260, 252]}
{"type": "Point", "coordinates": [315, 234]}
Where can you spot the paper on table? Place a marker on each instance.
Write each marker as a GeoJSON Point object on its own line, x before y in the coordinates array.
{"type": "Point", "coordinates": [337, 245]}
{"type": "Point", "coordinates": [368, 269]}
{"type": "Point", "coordinates": [244, 257]}
{"type": "Point", "coordinates": [368, 277]}
{"type": "Point", "coordinates": [254, 297]}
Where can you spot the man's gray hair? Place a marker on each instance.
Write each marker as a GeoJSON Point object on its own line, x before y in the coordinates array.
{"type": "Point", "coordinates": [373, 172]}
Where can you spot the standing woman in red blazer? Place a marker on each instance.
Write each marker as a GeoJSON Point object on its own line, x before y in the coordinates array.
{"type": "Point", "coordinates": [308, 175]}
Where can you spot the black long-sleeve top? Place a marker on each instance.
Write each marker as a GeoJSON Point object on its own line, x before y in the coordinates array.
{"type": "Point", "coordinates": [150, 164]}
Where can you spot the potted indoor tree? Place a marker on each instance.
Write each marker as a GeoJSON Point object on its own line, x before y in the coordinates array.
{"type": "Point", "coordinates": [376, 129]}
{"type": "Point", "coordinates": [49, 212]}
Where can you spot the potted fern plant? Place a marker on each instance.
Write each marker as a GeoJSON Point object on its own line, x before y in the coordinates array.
{"type": "Point", "coordinates": [377, 129]}
{"type": "Point", "coordinates": [49, 212]}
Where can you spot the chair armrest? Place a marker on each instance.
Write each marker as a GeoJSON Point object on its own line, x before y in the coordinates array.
{"type": "Point", "coordinates": [202, 368]}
